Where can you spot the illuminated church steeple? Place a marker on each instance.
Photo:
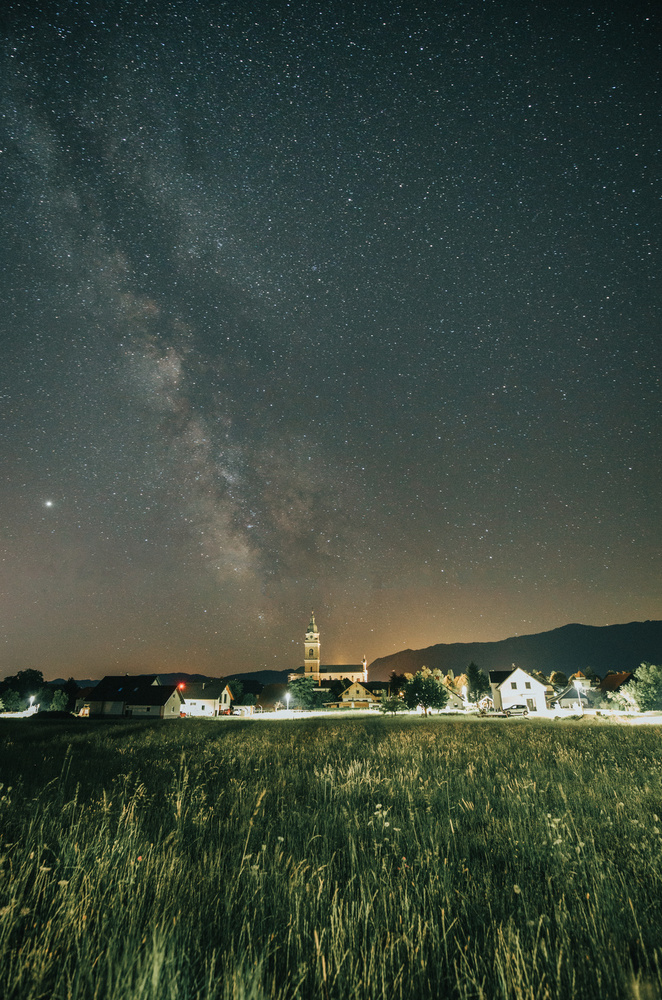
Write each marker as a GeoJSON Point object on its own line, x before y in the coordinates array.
{"type": "Point", "coordinates": [312, 648]}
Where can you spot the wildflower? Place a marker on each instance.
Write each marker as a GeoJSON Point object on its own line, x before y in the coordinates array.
{"type": "Point", "coordinates": [517, 890]}
{"type": "Point", "coordinates": [140, 857]}
{"type": "Point", "coordinates": [280, 840]}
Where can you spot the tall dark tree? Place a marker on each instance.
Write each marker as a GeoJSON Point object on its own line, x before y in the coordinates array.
{"type": "Point", "coordinates": [397, 683]}
{"type": "Point", "coordinates": [237, 689]}
{"type": "Point", "coordinates": [477, 683]}
{"type": "Point", "coordinates": [306, 693]}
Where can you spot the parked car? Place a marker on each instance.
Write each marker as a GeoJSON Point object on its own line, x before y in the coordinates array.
{"type": "Point", "coordinates": [516, 710]}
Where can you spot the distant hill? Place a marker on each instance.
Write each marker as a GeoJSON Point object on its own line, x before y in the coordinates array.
{"type": "Point", "coordinates": [569, 648]}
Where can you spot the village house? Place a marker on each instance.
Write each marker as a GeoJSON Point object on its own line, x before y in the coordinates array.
{"type": "Point", "coordinates": [614, 681]}
{"type": "Point", "coordinates": [361, 694]}
{"type": "Point", "coordinates": [516, 687]}
{"type": "Point", "coordinates": [138, 696]}
{"type": "Point", "coordinates": [207, 698]}
{"type": "Point", "coordinates": [573, 697]}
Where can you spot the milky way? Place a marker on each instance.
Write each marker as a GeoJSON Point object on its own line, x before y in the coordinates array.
{"type": "Point", "coordinates": [353, 308]}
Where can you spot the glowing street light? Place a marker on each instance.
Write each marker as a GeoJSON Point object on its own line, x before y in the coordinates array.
{"type": "Point", "coordinates": [578, 687]}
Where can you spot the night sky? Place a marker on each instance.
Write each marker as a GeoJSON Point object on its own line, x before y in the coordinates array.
{"type": "Point", "coordinates": [351, 307]}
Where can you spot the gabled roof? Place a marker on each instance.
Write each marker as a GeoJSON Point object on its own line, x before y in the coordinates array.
{"type": "Point", "coordinates": [498, 676]}
{"type": "Point", "coordinates": [157, 695]}
{"type": "Point", "coordinates": [612, 682]}
{"type": "Point", "coordinates": [354, 684]}
{"type": "Point", "coordinates": [202, 690]}
{"type": "Point", "coordinates": [571, 691]}
{"type": "Point", "coordinates": [123, 688]}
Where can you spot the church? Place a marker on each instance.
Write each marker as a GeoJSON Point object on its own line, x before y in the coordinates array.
{"type": "Point", "coordinates": [312, 662]}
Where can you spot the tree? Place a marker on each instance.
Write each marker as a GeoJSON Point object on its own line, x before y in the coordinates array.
{"type": "Point", "coordinates": [397, 682]}
{"type": "Point", "coordinates": [558, 680]}
{"type": "Point", "coordinates": [12, 700]}
{"type": "Point", "coordinates": [25, 682]}
{"type": "Point", "coordinates": [306, 694]}
{"type": "Point", "coordinates": [44, 698]}
{"type": "Point", "coordinates": [237, 690]}
{"type": "Point", "coordinates": [59, 702]}
{"type": "Point", "coordinates": [477, 683]}
{"type": "Point", "coordinates": [644, 691]}
{"type": "Point", "coordinates": [391, 704]}
{"type": "Point", "coordinates": [426, 690]}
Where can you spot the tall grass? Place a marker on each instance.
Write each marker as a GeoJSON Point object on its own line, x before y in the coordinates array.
{"type": "Point", "coordinates": [332, 858]}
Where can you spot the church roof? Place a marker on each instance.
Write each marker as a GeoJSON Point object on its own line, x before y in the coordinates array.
{"type": "Point", "coordinates": [331, 668]}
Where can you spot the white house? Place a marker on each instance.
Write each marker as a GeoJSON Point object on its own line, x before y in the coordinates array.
{"type": "Point", "coordinates": [516, 687]}
{"type": "Point", "coordinates": [206, 698]}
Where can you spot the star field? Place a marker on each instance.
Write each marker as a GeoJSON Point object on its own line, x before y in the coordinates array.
{"type": "Point", "coordinates": [353, 307]}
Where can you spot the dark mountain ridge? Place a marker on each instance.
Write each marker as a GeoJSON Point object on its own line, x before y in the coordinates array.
{"type": "Point", "coordinates": [568, 648]}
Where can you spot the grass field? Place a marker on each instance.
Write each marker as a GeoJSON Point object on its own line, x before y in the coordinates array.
{"type": "Point", "coordinates": [332, 858]}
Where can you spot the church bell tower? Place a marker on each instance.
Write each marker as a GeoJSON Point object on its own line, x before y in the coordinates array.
{"type": "Point", "coordinates": [312, 649]}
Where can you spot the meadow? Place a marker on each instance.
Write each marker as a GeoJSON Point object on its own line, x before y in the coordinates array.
{"type": "Point", "coordinates": [360, 859]}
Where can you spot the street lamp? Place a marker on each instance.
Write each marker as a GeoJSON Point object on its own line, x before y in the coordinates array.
{"type": "Point", "coordinates": [579, 696]}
